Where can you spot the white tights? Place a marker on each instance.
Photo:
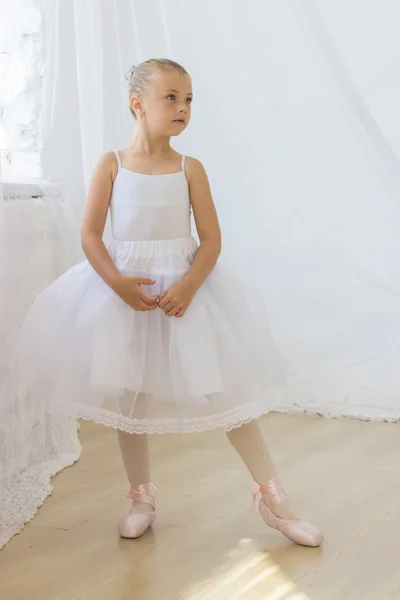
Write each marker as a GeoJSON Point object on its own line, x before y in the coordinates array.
{"type": "Point", "coordinates": [249, 443]}
{"type": "Point", "coordinates": [247, 440]}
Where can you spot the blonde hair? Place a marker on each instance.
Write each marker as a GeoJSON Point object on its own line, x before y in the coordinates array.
{"type": "Point", "coordinates": [138, 77]}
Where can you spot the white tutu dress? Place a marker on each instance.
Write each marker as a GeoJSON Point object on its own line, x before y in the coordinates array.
{"type": "Point", "coordinates": [92, 356]}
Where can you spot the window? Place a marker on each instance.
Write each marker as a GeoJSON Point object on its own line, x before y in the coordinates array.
{"type": "Point", "coordinates": [21, 64]}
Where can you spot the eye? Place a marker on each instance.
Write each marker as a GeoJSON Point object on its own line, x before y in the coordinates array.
{"type": "Point", "coordinates": [171, 97]}
{"type": "Point", "coordinates": [189, 100]}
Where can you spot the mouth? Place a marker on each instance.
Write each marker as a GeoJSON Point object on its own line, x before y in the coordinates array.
{"type": "Point", "coordinates": [181, 121]}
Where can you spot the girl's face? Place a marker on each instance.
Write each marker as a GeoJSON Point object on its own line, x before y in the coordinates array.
{"type": "Point", "coordinates": [166, 104]}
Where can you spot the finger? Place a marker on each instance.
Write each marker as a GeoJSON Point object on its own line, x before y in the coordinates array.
{"type": "Point", "coordinates": [145, 281]}
{"type": "Point", "coordinates": [163, 295]}
{"type": "Point", "coordinates": [180, 313]}
{"type": "Point", "coordinates": [149, 300]}
{"type": "Point", "coordinates": [168, 306]}
{"type": "Point", "coordinates": [164, 301]}
{"type": "Point", "coordinates": [173, 309]}
{"type": "Point", "coordinates": [146, 307]}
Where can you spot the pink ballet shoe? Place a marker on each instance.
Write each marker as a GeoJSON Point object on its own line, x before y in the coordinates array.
{"type": "Point", "coordinates": [299, 531]}
{"type": "Point", "coordinates": [136, 524]}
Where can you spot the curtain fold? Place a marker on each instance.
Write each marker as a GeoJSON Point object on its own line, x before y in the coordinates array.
{"type": "Point", "coordinates": [331, 58]}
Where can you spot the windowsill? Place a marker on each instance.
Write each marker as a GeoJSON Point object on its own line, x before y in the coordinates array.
{"type": "Point", "coordinates": [29, 189]}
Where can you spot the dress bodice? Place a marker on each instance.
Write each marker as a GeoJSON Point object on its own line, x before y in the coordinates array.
{"type": "Point", "coordinates": [150, 207]}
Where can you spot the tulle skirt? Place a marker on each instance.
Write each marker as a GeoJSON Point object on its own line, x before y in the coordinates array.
{"type": "Point", "coordinates": [92, 356]}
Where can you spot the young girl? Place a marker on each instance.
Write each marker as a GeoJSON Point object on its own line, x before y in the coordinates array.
{"type": "Point", "coordinates": [149, 335]}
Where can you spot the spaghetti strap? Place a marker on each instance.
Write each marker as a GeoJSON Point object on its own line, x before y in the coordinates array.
{"type": "Point", "coordinates": [183, 162]}
{"type": "Point", "coordinates": [118, 158]}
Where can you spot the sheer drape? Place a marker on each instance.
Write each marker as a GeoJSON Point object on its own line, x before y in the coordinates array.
{"type": "Point", "coordinates": [295, 119]}
{"type": "Point", "coordinates": [38, 242]}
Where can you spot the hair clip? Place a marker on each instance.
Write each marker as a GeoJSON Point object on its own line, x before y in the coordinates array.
{"type": "Point", "coordinates": [129, 74]}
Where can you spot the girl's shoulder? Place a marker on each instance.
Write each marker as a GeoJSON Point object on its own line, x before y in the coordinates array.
{"type": "Point", "coordinates": [110, 163]}
{"type": "Point", "coordinates": [108, 159]}
{"type": "Point", "coordinates": [193, 167]}
{"type": "Point", "coordinates": [189, 161]}
{"type": "Point", "coordinates": [192, 161]}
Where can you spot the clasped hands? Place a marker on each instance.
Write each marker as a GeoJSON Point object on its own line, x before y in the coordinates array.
{"type": "Point", "coordinates": [174, 301]}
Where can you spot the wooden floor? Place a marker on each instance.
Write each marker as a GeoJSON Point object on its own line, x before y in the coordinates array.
{"type": "Point", "coordinates": [206, 544]}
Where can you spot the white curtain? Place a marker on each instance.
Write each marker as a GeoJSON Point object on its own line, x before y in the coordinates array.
{"type": "Point", "coordinates": [38, 242]}
{"type": "Point", "coordinates": [295, 119]}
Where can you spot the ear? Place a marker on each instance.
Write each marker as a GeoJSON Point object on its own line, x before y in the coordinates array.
{"type": "Point", "coordinates": [136, 105]}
